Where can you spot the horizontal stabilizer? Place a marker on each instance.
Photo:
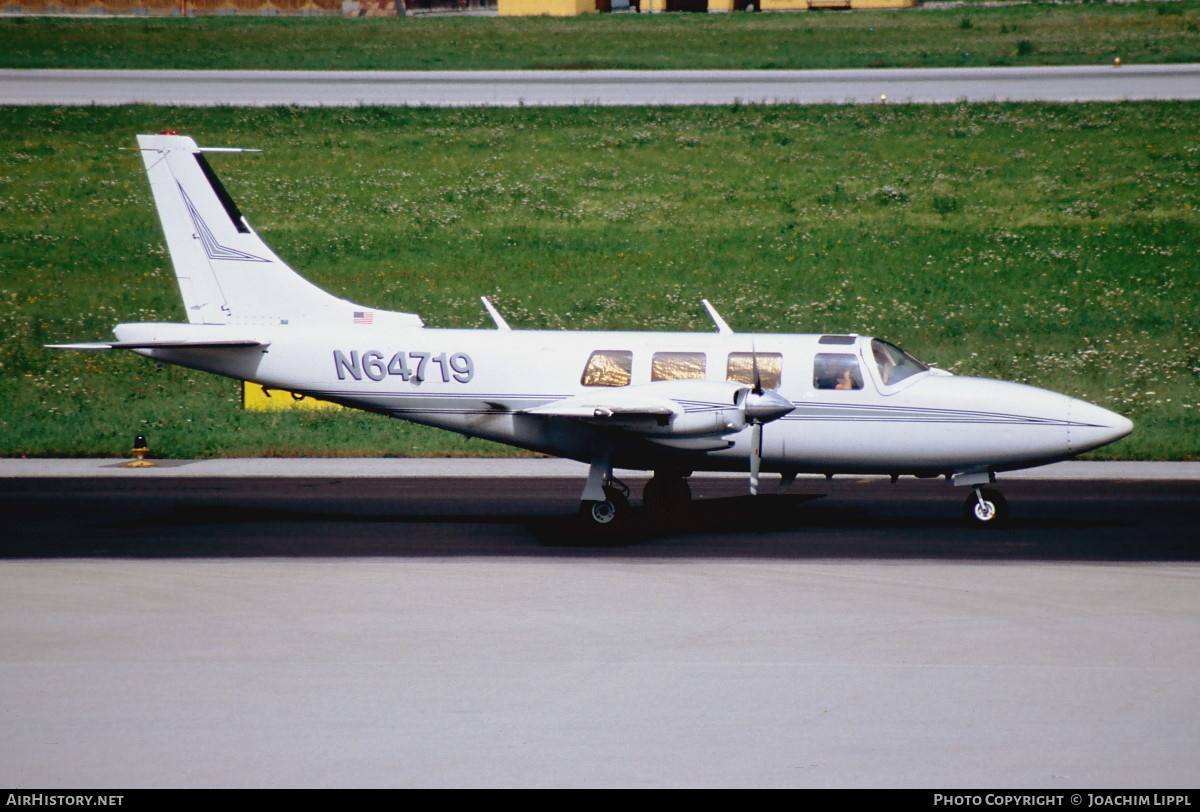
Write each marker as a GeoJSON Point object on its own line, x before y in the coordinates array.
{"type": "Point", "coordinates": [232, 343]}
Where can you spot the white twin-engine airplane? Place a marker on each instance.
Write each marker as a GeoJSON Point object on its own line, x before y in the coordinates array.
{"type": "Point", "coordinates": [673, 403]}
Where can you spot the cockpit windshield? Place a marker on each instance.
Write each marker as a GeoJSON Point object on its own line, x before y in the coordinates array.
{"type": "Point", "coordinates": [894, 363]}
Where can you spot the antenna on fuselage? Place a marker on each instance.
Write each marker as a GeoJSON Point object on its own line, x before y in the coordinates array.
{"type": "Point", "coordinates": [501, 324]}
{"type": "Point", "coordinates": [722, 327]}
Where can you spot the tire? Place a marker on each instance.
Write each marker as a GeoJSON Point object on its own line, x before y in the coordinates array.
{"type": "Point", "coordinates": [664, 495]}
{"type": "Point", "coordinates": [991, 511]}
{"type": "Point", "coordinates": [605, 516]}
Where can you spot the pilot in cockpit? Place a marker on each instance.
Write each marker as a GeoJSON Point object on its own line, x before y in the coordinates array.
{"type": "Point", "coordinates": [838, 371]}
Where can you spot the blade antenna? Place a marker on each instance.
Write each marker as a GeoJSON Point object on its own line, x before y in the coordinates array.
{"type": "Point", "coordinates": [501, 324]}
{"type": "Point", "coordinates": [722, 328]}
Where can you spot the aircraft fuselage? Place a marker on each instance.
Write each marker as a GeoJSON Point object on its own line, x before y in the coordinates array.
{"type": "Point", "coordinates": [482, 383]}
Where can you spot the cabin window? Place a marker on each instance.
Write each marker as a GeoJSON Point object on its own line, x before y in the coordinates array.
{"type": "Point", "coordinates": [836, 370]}
{"type": "Point", "coordinates": [741, 368]}
{"type": "Point", "coordinates": [894, 363]}
{"type": "Point", "coordinates": [608, 368]}
{"type": "Point", "coordinates": [678, 366]}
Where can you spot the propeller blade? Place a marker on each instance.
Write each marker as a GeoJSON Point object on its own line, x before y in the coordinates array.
{"type": "Point", "coordinates": [755, 456]}
{"type": "Point", "coordinates": [760, 406]}
{"type": "Point", "coordinates": [758, 387]}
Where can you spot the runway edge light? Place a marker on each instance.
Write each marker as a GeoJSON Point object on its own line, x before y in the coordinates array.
{"type": "Point", "coordinates": [141, 451]}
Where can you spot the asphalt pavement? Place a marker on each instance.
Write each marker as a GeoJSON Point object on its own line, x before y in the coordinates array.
{"type": "Point", "coordinates": [281, 623]}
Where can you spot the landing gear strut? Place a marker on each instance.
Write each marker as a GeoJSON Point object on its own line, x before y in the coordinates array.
{"type": "Point", "coordinates": [604, 508]}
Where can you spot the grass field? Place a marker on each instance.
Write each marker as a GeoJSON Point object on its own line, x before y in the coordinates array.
{"type": "Point", "coordinates": [1019, 34]}
{"type": "Point", "coordinates": [1052, 244]}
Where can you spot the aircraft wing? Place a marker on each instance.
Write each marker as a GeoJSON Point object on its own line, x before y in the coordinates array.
{"type": "Point", "coordinates": [661, 409]}
{"type": "Point", "coordinates": [610, 410]}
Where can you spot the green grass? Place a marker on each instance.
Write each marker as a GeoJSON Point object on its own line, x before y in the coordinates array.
{"type": "Point", "coordinates": [1052, 244]}
{"type": "Point", "coordinates": [1032, 34]}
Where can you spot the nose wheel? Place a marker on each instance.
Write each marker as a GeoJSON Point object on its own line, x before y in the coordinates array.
{"type": "Point", "coordinates": [985, 507]}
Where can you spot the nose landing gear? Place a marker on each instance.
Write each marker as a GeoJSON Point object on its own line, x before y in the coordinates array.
{"type": "Point", "coordinates": [985, 507]}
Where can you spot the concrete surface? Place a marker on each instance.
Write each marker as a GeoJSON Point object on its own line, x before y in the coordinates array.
{"type": "Point", "coordinates": [598, 87]}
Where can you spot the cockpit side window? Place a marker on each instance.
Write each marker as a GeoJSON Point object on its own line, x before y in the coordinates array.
{"type": "Point", "coordinates": [678, 366]}
{"type": "Point", "coordinates": [608, 368]}
{"type": "Point", "coordinates": [741, 368]}
{"type": "Point", "coordinates": [836, 370]}
{"type": "Point", "coordinates": [894, 363]}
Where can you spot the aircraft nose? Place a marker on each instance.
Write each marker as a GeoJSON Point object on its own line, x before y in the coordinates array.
{"type": "Point", "coordinates": [1092, 426]}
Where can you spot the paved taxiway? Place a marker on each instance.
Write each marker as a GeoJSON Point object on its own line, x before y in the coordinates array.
{"type": "Point", "coordinates": [617, 87]}
{"type": "Point", "coordinates": [333, 629]}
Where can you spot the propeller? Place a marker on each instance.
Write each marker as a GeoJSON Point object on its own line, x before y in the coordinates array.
{"type": "Point", "coordinates": [755, 455]}
{"type": "Point", "coordinates": [761, 406]}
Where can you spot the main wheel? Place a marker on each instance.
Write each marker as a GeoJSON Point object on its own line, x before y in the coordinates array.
{"type": "Point", "coordinates": [607, 514]}
{"type": "Point", "coordinates": [666, 494]}
{"type": "Point", "coordinates": [985, 507]}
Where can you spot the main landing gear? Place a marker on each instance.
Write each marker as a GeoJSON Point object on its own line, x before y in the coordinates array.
{"type": "Point", "coordinates": [666, 493]}
{"type": "Point", "coordinates": [604, 507]}
{"type": "Point", "coordinates": [607, 514]}
{"type": "Point", "coordinates": [604, 510]}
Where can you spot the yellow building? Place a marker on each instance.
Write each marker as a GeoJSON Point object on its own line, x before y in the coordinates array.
{"type": "Point", "coordinates": [561, 8]}
{"type": "Point", "coordinates": [545, 8]}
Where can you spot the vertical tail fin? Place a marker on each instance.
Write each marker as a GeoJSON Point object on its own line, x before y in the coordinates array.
{"type": "Point", "coordinates": [226, 273]}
